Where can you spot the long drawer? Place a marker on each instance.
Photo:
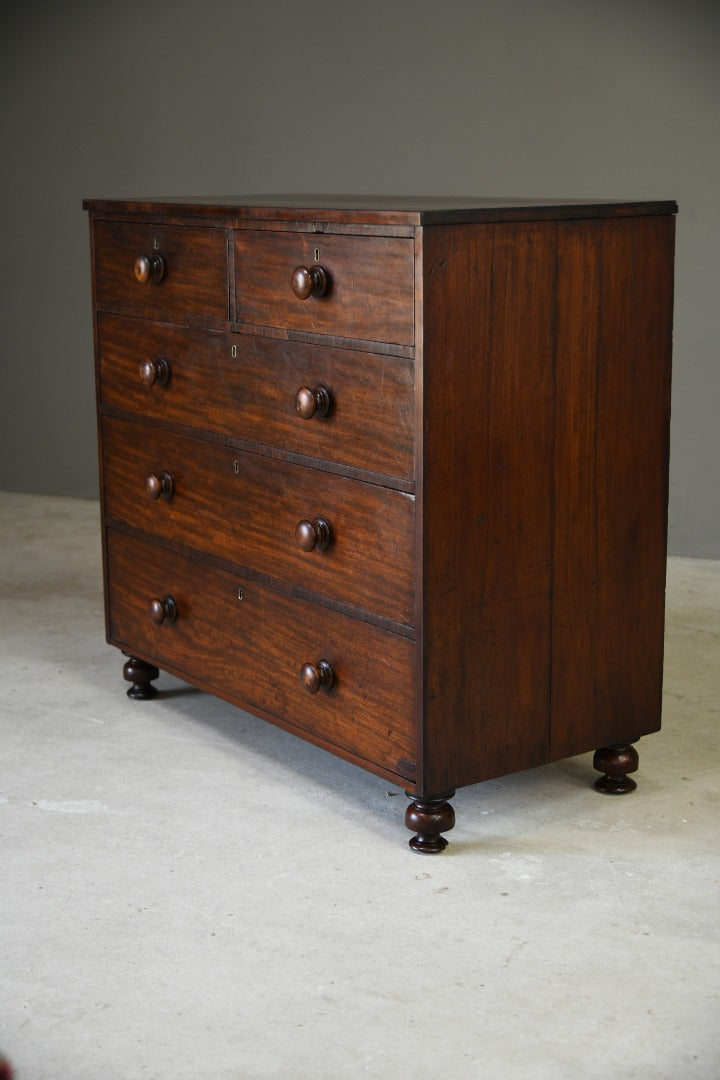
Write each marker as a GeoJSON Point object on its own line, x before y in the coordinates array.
{"type": "Point", "coordinates": [354, 408]}
{"type": "Point", "coordinates": [266, 515]}
{"type": "Point", "coordinates": [368, 285]}
{"type": "Point", "coordinates": [264, 650]}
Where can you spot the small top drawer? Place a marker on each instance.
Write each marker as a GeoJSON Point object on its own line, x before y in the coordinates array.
{"type": "Point", "coordinates": [168, 270]}
{"type": "Point", "coordinates": [357, 286]}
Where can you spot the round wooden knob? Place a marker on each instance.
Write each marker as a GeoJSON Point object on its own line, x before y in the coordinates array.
{"type": "Point", "coordinates": [155, 371]}
{"type": "Point", "coordinates": [163, 611]}
{"type": "Point", "coordinates": [159, 486]}
{"type": "Point", "coordinates": [312, 534]}
{"type": "Point", "coordinates": [317, 676]}
{"type": "Point", "coordinates": [315, 402]}
{"type": "Point", "coordinates": [309, 282]}
{"type": "Point", "coordinates": [149, 268]}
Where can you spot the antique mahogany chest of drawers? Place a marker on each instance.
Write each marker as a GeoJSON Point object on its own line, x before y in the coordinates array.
{"type": "Point", "coordinates": [392, 473]}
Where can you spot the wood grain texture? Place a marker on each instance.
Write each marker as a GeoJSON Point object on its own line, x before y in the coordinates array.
{"type": "Point", "coordinates": [375, 211]}
{"type": "Point", "coordinates": [252, 396]}
{"type": "Point", "coordinates": [615, 286]}
{"type": "Point", "coordinates": [476, 585]}
{"type": "Point", "coordinates": [370, 293]}
{"type": "Point", "coordinates": [253, 650]}
{"type": "Point", "coordinates": [244, 508]}
{"type": "Point", "coordinates": [545, 527]}
{"type": "Point", "coordinates": [196, 280]}
{"type": "Point", "coordinates": [487, 529]}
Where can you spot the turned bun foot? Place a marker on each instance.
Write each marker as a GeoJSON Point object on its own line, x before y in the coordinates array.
{"type": "Point", "coordinates": [428, 818]}
{"type": "Point", "coordinates": [616, 762]}
{"type": "Point", "coordinates": [140, 675]}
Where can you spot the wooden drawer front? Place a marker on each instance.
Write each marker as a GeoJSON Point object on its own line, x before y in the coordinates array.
{"type": "Point", "coordinates": [245, 508]}
{"type": "Point", "coordinates": [253, 649]}
{"type": "Point", "coordinates": [252, 396]}
{"type": "Point", "coordinates": [370, 292]}
{"type": "Point", "coordinates": [195, 280]}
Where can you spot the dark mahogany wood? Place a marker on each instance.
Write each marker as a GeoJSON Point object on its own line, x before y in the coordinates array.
{"type": "Point", "coordinates": [313, 534]}
{"type": "Point", "coordinates": [558, 485]}
{"type": "Point", "coordinates": [163, 610]}
{"type": "Point", "coordinates": [428, 818]}
{"type": "Point", "coordinates": [317, 676]}
{"type": "Point", "coordinates": [315, 402]}
{"type": "Point", "coordinates": [615, 762]}
{"type": "Point", "coordinates": [379, 211]}
{"type": "Point", "coordinates": [150, 268]}
{"type": "Point", "coordinates": [195, 273]}
{"type": "Point", "coordinates": [155, 372]}
{"type": "Point", "coordinates": [309, 282]}
{"type": "Point", "coordinates": [371, 295]}
{"type": "Point", "coordinates": [140, 674]}
{"type": "Point", "coordinates": [250, 642]}
{"type": "Point", "coordinates": [612, 420]}
{"type": "Point", "coordinates": [392, 473]}
{"type": "Point", "coordinates": [159, 487]}
{"type": "Point", "coordinates": [368, 421]}
{"type": "Point", "coordinates": [487, 468]}
{"type": "Point", "coordinates": [246, 508]}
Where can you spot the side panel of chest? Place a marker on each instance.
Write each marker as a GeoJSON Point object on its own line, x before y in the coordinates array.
{"type": "Point", "coordinates": [546, 420]}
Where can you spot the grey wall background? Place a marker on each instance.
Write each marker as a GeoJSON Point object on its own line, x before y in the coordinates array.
{"type": "Point", "coordinates": [580, 98]}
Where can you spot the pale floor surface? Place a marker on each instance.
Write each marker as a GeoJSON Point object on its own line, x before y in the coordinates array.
{"type": "Point", "coordinates": [190, 893]}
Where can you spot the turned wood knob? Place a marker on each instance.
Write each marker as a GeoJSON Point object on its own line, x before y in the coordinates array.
{"type": "Point", "coordinates": [312, 534]}
{"type": "Point", "coordinates": [155, 371]}
{"type": "Point", "coordinates": [309, 282]}
{"type": "Point", "coordinates": [159, 487]}
{"type": "Point", "coordinates": [317, 676]}
{"type": "Point", "coordinates": [163, 611]}
{"type": "Point", "coordinates": [315, 402]}
{"type": "Point", "coordinates": [149, 268]}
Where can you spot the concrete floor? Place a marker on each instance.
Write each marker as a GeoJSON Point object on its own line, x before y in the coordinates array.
{"type": "Point", "coordinates": [190, 894]}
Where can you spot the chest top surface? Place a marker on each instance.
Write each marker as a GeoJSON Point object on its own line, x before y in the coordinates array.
{"type": "Point", "coordinates": [382, 209]}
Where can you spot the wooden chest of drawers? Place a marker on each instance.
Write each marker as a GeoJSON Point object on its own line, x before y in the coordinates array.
{"type": "Point", "coordinates": [392, 473]}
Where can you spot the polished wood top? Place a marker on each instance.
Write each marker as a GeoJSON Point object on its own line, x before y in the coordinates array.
{"type": "Point", "coordinates": [382, 209]}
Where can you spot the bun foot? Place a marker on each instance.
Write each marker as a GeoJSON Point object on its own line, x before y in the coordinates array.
{"type": "Point", "coordinates": [140, 675]}
{"type": "Point", "coordinates": [615, 762]}
{"type": "Point", "coordinates": [428, 818]}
